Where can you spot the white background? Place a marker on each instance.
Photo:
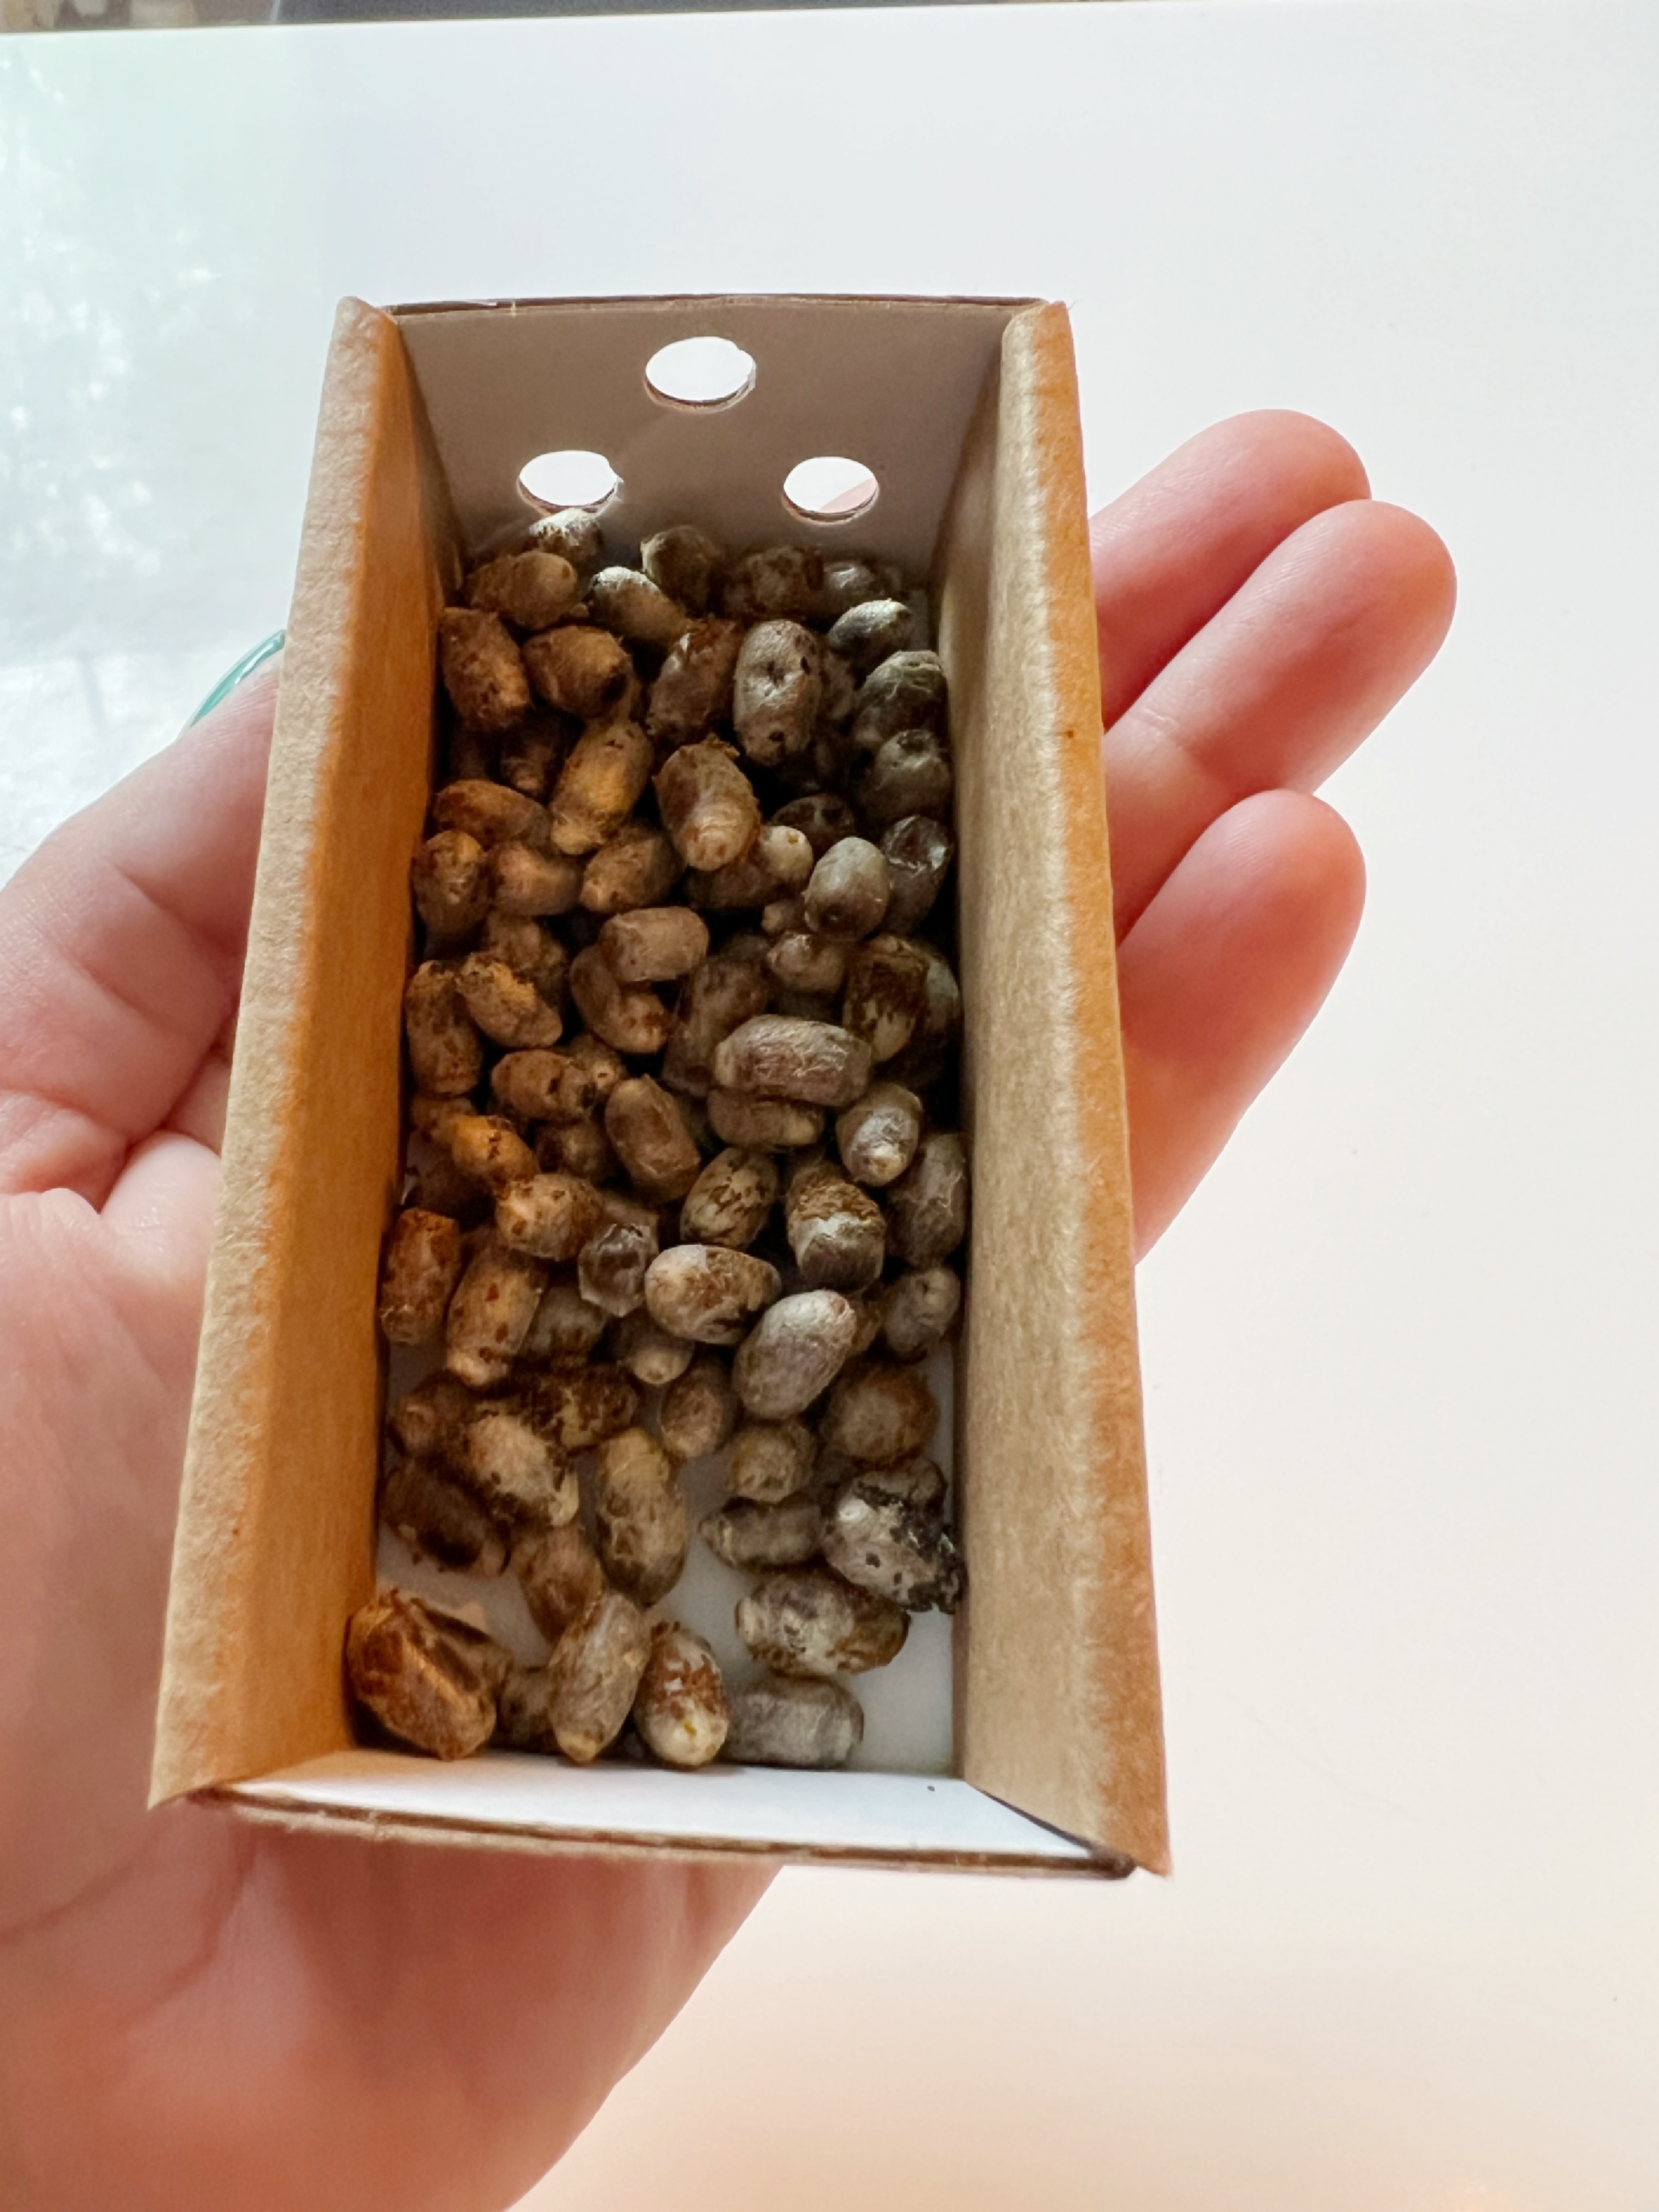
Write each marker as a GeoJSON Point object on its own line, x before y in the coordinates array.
{"type": "Point", "coordinates": [1400, 1353]}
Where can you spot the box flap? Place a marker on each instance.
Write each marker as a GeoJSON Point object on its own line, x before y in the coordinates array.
{"type": "Point", "coordinates": [1061, 1711]}
{"type": "Point", "coordinates": [274, 1548]}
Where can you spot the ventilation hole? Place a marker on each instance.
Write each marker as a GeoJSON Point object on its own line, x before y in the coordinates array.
{"type": "Point", "coordinates": [570, 478]}
{"type": "Point", "coordinates": [700, 373]}
{"type": "Point", "coordinates": [829, 488]}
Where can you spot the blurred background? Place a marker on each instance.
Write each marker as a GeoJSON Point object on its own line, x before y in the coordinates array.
{"type": "Point", "coordinates": [180, 15]}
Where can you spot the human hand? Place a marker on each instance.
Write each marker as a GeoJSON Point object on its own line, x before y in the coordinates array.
{"type": "Point", "coordinates": [1259, 614]}
{"type": "Point", "coordinates": [194, 2015]}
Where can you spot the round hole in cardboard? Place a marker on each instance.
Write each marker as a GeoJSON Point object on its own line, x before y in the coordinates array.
{"type": "Point", "coordinates": [570, 478]}
{"type": "Point", "coordinates": [830, 488]}
{"type": "Point", "coordinates": [700, 373]}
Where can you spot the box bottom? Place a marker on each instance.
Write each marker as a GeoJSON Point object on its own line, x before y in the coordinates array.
{"type": "Point", "coordinates": [519, 1802]}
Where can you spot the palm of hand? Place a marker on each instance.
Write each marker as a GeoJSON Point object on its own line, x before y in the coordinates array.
{"type": "Point", "coordinates": [193, 2013]}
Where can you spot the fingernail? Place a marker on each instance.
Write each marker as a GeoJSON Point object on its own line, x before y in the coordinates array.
{"type": "Point", "coordinates": [244, 668]}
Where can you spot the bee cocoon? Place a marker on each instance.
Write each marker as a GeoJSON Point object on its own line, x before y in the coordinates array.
{"type": "Point", "coordinates": [680, 1707]}
{"type": "Point", "coordinates": [676, 893]}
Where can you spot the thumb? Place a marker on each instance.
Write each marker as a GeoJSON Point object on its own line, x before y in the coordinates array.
{"type": "Point", "coordinates": [121, 945]}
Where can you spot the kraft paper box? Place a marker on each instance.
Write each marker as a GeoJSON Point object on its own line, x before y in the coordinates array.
{"type": "Point", "coordinates": [1029, 1728]}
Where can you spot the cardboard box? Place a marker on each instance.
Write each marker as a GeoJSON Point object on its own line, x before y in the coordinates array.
{"type": "Point", "coordinates": [967, 412]}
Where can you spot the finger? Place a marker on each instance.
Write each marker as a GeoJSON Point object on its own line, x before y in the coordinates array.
{"type": "Point", "coordinates": [1279, 688]}
{"type": "Point", "coordinates": [121, 949]}
{"type": "Point", "coordinates": [1177, 545]}
{"type": "Point", "coordinates": [200, 1113]}
{"type": "Point", "coordinates": [163, 1201]}
{"type": "Point", "coordinates": [162, 1207]}
{"type": "Point", "coordinates": [1220, 976]}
